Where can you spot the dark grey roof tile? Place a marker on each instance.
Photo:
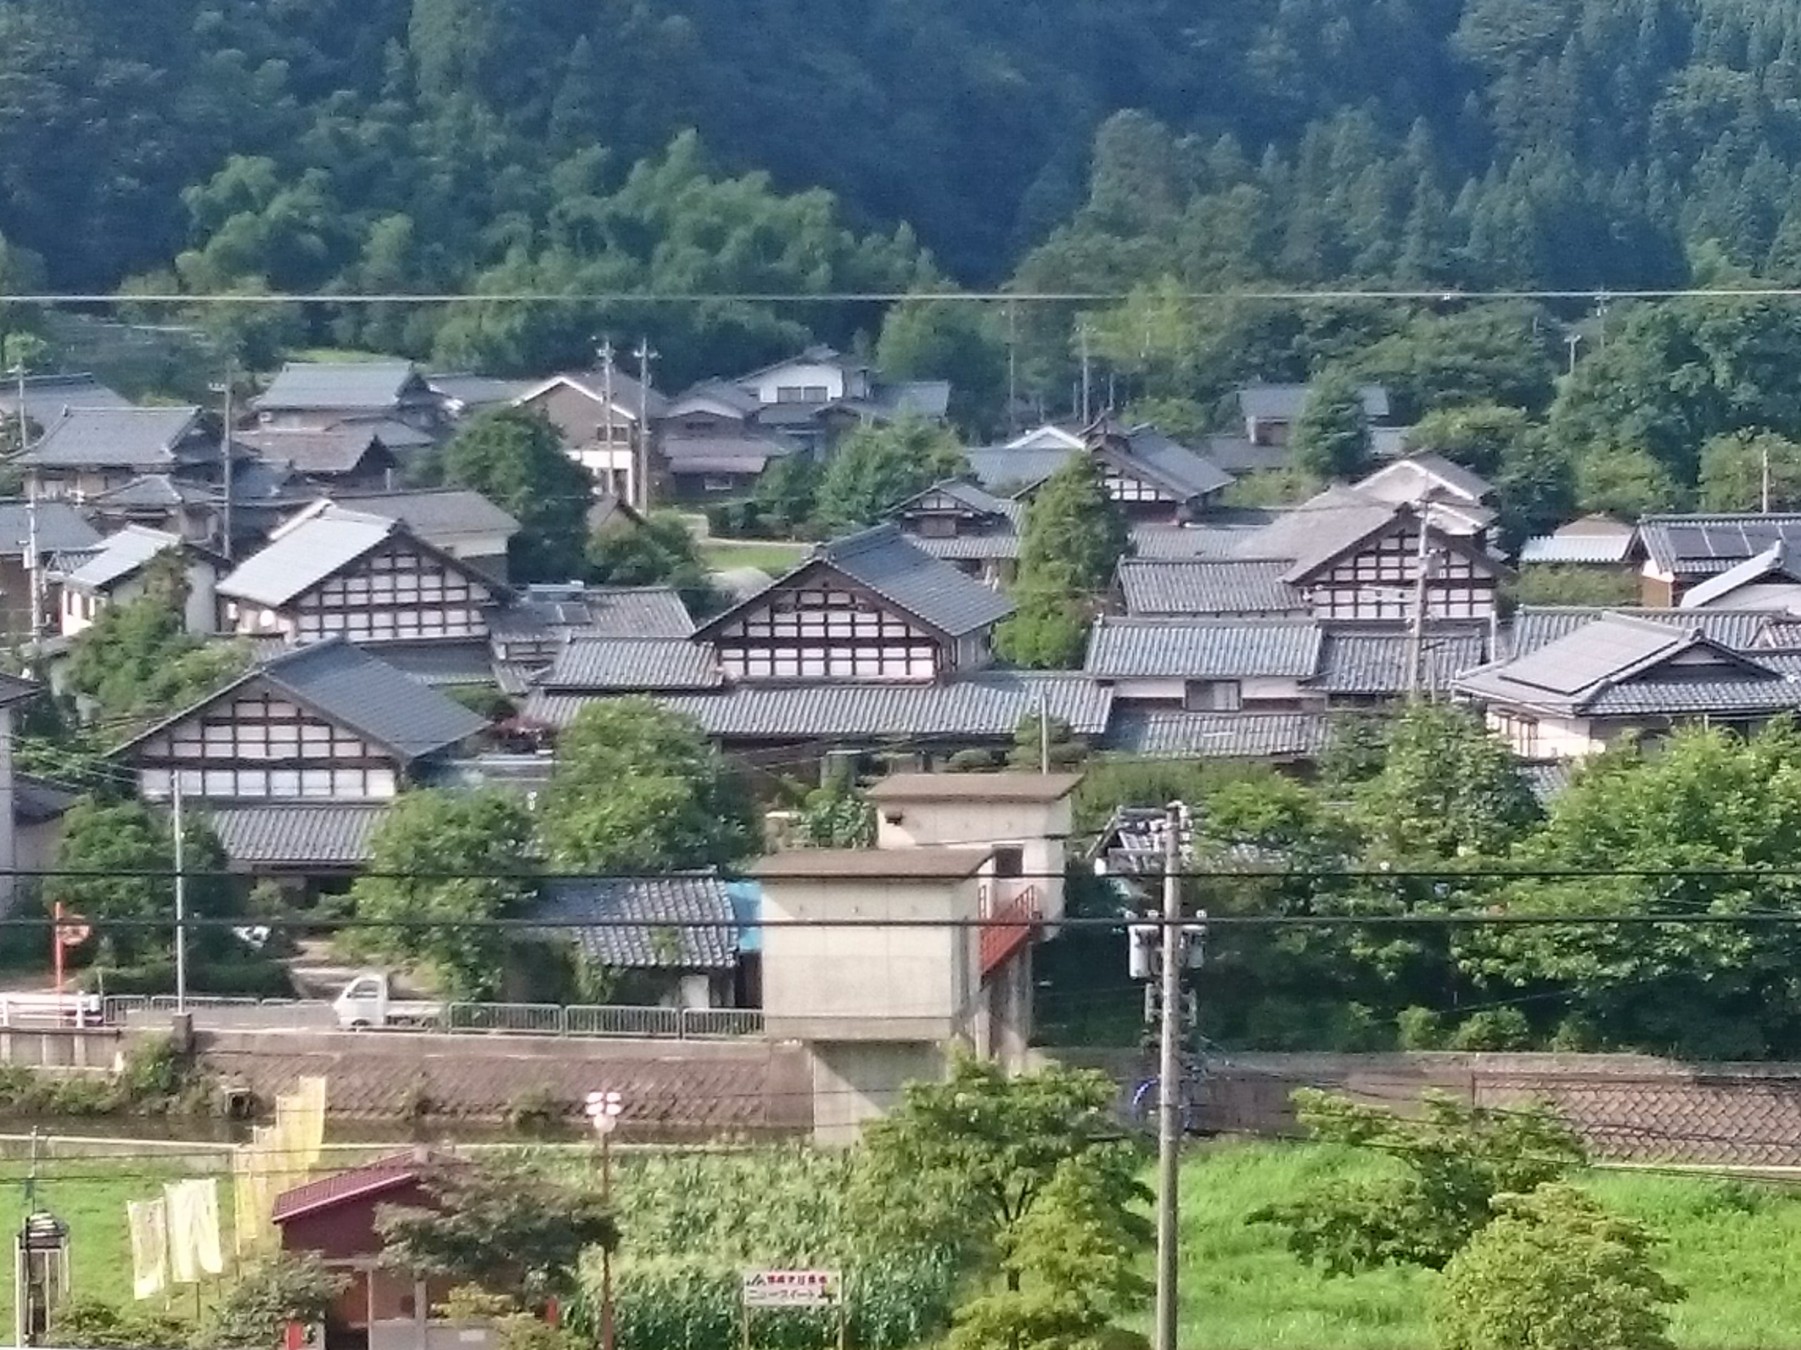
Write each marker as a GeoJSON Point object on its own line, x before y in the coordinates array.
{"type": "Point", "coordinates": [1203, 648]}
{"type": "Point", "coordinates": [646, 910]}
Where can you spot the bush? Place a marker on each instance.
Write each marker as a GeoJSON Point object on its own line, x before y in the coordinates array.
{"type": "Point", "coordinates": [1419, 1029]}
{"type": "Point", "coordinates": [250, 975]}
{"type": "Point", "coordinates": [267, 1296]}
{"type": "Point", "coordinates": [973, 761]}
{"type": "Point", "coordinates": [89, 1322]}
{"type": "Point", "coordinates": [735, 520]}
{"type": "Point", "coordinates": [1493, 1029]}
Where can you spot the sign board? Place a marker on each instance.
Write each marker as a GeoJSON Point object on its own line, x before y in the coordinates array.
{"type": "Point", "coordinates": [793, 1288]}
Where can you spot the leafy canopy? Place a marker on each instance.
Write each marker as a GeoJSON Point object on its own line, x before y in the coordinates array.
{"type": "Point", "coordinates": [515, 458]}
{"type": "Point", "coordinates": [1331, 437]}
{"type": "Point", "coordinates": [1448, 1166]}
{"type": "Point", "coordinates": [878, 467]}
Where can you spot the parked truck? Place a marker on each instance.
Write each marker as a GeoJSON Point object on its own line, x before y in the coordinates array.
{"type": "Point", "coordinates": [368, 1004]}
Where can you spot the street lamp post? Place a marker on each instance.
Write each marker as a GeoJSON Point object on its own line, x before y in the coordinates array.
{"type": "Point", "coordinates": [603, 1109]}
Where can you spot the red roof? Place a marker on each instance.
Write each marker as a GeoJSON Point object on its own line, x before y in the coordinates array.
{"type": "Point", "coordinates": [385, 1174]}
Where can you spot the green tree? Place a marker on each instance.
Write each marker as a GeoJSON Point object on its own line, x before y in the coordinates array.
{"type": "Point", "coordinates": [637, 788]}
{"type": "Point", "coordinates": [1484, 354]}
{"type": "Point", "coordinates": [504, 1226]}
{"type": "Point", "coordinates": [977, 1153]}
{"type": "Point", "coordinates": [1625, 483]}
{"type": "Point", "coordinates": [1447, 789]}
{"type": "Point", "coordinates": [659, 552]}
{"type": "Point", "coordinates": [137, 661]}
{"type": "Point", "coordinates": [838, 816]}
{"type": "Point", "coordinates": [449, 856]}
{"type": "Point", "coordinates": [1454, 1162]}
{"type": "Point", "coordinates": [1331, 437]}
{"type": "Point", "coordinates": [104, 845]}
{"type": "Point", "coordinates": [1480, 436]}
{"type": "Point", "coordinates": [955, 340]}
{"type": "Point", "coordinates": [515, 458]}
{"type": "Point", "coordinates": [1074, 533]}
{"type": "Point", "coordinates": [1048, 629]}
{"type": "Point", "coordinates": [1554, 1271]}
{"type": "Point", "coordinates": [787, 491]}
{"type": "Point", "coordinates": [878, 467]}
{"type": "Point", "coordinates": [1551, 584]}
{"type": "Point", "coordinates": [1733, 468]}
{"type": "Point", "coordinates": [256, 1307]}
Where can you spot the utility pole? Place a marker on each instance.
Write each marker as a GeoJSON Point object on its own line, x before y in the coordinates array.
{"type": "Point", "coordinates": [605, 352]}
{"type": "Point", "coordinates": [1763, 446]}
{"type": "Point", "coordinates": [1012, 369]}
{"type": "Point", "coordinates": [1087, 375]}
{"type": "Point", "coordinates": [33, 560]}
{"type": "Point", "coordinates": [181, 901]}
{"type": "Point", "coordinates": [1572, 341]}
{"type": "Point", "coordinates": [225, 388]}
{"type": "Point", "coordinates": [1416, 632]}
{"type": "Point", "coordinates": [1169, 1081]}
{"type": "Point", "coordinates": [1044, 733]}
{"type": "Point", "coordinates": [641, 456]}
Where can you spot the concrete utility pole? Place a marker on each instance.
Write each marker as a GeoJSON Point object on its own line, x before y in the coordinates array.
{"type": "Point", "coordinates": [1169, 1081]}
{"type": "Point", "coordinates": [225, 387]}
{"type": "Point", "coordinates": [641, 455]}
{"type": "Point", "coordinates": [181, 900]}
{"type": "Point", "coordinates": [605, 352]}
{"type": "Point", "coordinates": [1087, 375]}
{"type": "Point", "coordinates": [1572, 341]}
{"type": "Point", "coordinates": [1012, 369]}
{"type": "Point", "coordinates": [1416, 633]}
{"type": "Point", "coordinates": [1763, 446]}
{"type": "Point", "coordinates": [34, 560]}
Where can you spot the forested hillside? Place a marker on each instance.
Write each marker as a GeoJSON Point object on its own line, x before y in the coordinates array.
{"type": "Point", "coordinates": [799, 144]}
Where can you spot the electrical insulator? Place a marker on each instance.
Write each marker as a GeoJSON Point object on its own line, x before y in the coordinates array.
{"type": "Point", "coordinates": [1191, 1010]}
{"type": "Point", "coordinates": [1194, 942]}
{"type": "Point", "coordinates": [1142, 945]}
{"type": "Point", "coordinates": [1150, 1004]}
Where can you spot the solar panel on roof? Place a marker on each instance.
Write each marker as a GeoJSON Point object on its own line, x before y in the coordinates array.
{"type": "Point", "coordinates": [1589, 655]}
{"type": "Point", "coordinates": [1689, 541]}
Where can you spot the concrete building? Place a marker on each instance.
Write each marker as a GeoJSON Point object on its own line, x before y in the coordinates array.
{"type": "Point", "coordinates": [881, 1006]}
{"type": "Point", "coordinates": [117, 573]}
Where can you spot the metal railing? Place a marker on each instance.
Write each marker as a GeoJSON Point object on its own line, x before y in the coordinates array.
{"type": "Point", "coordinates": [498, 1019]}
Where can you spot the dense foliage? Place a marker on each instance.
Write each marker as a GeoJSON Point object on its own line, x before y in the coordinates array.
{"type": "Point", "coordinates": [516, 460]}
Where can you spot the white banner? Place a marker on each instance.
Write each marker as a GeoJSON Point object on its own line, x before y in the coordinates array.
{"type": "Point", "coordinates": [793, 1288]}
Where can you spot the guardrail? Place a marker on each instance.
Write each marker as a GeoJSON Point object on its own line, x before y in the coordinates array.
{"type": "Point", "coordinates": [504, 1019]}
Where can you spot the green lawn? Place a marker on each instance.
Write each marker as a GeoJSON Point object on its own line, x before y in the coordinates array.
{"type": "Point", "coordinates": [89, 1195]}
{"type": "Point", "coordinates": [773, 558]}
{"type": "Point", "coordinates": [1736, 1248]}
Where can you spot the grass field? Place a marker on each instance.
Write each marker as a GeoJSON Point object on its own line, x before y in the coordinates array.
{"type": "Point", "coordinates": [1735, 1246]}
{"type": "Point", "coordinates": [89, 1195]}
{"type": "Point", "coordinates": [773, 558]}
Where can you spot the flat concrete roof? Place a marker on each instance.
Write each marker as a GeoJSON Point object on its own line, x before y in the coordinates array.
{"type": "Point", "coordinates": [871, 864]}
{"type": "Point", "coordinates": [974, 787]}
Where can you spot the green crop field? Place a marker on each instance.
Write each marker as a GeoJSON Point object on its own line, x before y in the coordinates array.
{"type": "Point", "coordinates": [771, 557]}
{"type": "Point", "coordinates": [1734, 1245]}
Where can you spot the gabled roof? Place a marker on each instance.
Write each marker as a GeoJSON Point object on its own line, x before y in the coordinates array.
{"type": "Point", "coordinates": [476, 391]}
{"type": "Point", "coordinates": [635, 920]}
{"type": "Point", "coordinates": [1320, 529]}
{"type": "Point", "coordinates": [816, 355]}
{"type": "Point", "coordinates": [298, 834]}
{"type": "Point", "coordinates": [1171, 542]}
{"type": "Point", "coordinates": [961, 494]}
{"type": "Point", "coordinates": [1203, 648]}
{"type": "Point", "coordinates": [358, 1183]}
{"type": "Point", "coordinates": [121, 555]}
{"type": "Point", "coordinates": [1241, 455]}
{"type": "Point", "coordinates": [1283, 402]}
{"type": "Point", "coordinates": [1145, 451]}
{"type": "Point", "coordinates": [1698, 546]}
{"type": "Point", "coordinates": [721, 393]}
{"type": "Point", "coordinates": [431, 512]}
{"type": "Point", "coordinates": [330, 450]}
{"type": "Point", "coordinates": [348, 686]}
{"type": "Point", "coordinates": [61, 529]}
{"type": "Point", "coordinates": [145, 439]}
{"type": "Point", "coordinates": [989, 705]}
{"type": "Point", "coordinates": [627, 392]}
{"type": "Point", "coordinates": [48, 396]}
{"type": "Point", "coordinates": [1534, 626]}
{"type": "Point", "coordinates": [626, 664]}
{"type": "Point", "coordinates": [1605, 667]}
{"type": "Point", "coordinates": [300, 556]}
{"type": "Point", "coordinates": [1422, 477]}
{"type": "Point", "coordinates": [1777, 562]}
{"type": "Point", "coordinates": [1234, 586]}
{"type": "Point", "coordinates": [1002, 466]}
{"type": "Point", "coordinates": [1050, 436]}
{"type": "Point", "coordinates": [1209, 735]}
{"type": "Point", "coordinates": [930, 399]}
{"type": "Point", "coordinates": [891, 567]}
{"type": "Point", "coordinates": [348, 386]}
{"type": "Point", "coordinates": [686, 453]}
{"type": "Point", "coordinates": [153, 490]}
{"type": "Point", "coordinates": [1576, 549]}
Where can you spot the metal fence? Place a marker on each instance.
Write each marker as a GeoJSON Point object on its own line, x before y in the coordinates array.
{"type": "Point", "coordinates": [476, 1019]}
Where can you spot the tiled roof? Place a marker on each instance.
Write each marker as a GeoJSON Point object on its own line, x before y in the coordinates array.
{"type": "Point", "coordinates": [722, 392]}
{"type": "Point", "coordinates": [442, 664]}
{"type": "Point", "coordinates": [1777, 562]}
{"type": "Point", "coordinates": [61, 528]}
{"type": "Point", "coordinates": [1185, 472]}
{"type": "Point", "coordinates": [1203, 648]}
{"type": "Point", "coordinates": [121, 555]}
{"type": "Point", "coordinates": [348, 686]}
{"type": "Point", "coordinates": [1207, 586]}
{"type": "Point", "coordinates": [46, 396]}
{"type": "Point", "coordinates": [1576, 549]}
{"type": "Point", "coordinates": [628, 395]}
{"type": "Point", "coordinates": [430, 512]}
{"type": "Point", "coordinates": [1750, 694]}
{"type": "Point", "coordinates": [1319, 529]}
{"type": "Point", "coordinates": [999, 467]}
{"type": "Point", "coordinates": [477, 391]}
{"type": "Point", "coordinates": [889, 565]}
{"type": "Point", "coordinates": [603, 664]}
{"type": "Point", "coordinates": [1419, 477]}
{"type": "Point", "coordinates": [1779, 631]}
{"type": "Point", "coordinates": [966, 495]}
{"type": "Point", "coordinates": [1376, 663]}
{"type": "Point", "coordinates": [1699, 546]}
{"type": "Point", "coordinates": [376, 1178]}
{"type": "Point", "coordinates": [154, 490]}
{"type": "Point", "coordinates": [146, 439]}
{"type": "Point", "coordinates": [359, 386]}
{"type": "Point", "coordinates": [1284, 402]}
{"type": "Point", "coordinates": [1181, 542]}
{"type": "Point", "coordinates": [305, 554]}
{"type": "Point", "coordinates": [1548, 779]}
{"type": "Point", "coordinates": [592, 611]}
{"type": "Point", "coordinates": [649, 905]}
{"type": "Point", "coordinates": [1535, 625]}
{"type": "Point", "coordinates": [998, 546]}
{"type": "Point", "coordinates": [1241, 455]}
{"type": "Point", "coordinates": [298, 834]}
{"type": "Point", "coordinates": [687, 453]}
{"type": "Point", "coordinates": [1210, 735]}
{"type": "Point", "coordinates": [986, 706]}
{"type": "Point", "coordinates": [930, 399]}
{"type": "Point", "coordinates": [337, 449]}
